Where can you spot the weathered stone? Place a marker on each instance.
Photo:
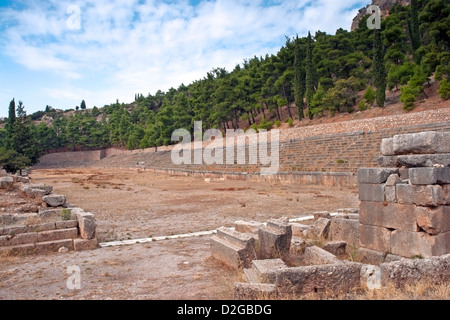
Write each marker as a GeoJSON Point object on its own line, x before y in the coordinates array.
{"type": "Point", "coordinates": [23, 179]}
{"type": "Point", "coordinates": [3, 173]}
{"type": "Point", "coordinates": [310, 279]}
{"type": "Point", "coordinates": [54, 200]}
{"type": "Point", "coordinates": [297, 250]}
{"type": "Point", "coordinates": [335, 247]}
{"type": "Point", "coordinates": [392, 258]}
{"type": "Point", "coordinates": [6, 182]}
{"type": "Point", "coordinates": [57, 235]}
{"type": "Point", "coordinates": [321, 214]}
{"type": "Point", "coordinates": [390, 194]}
{"type": "Point", "coordinates": [13, 230]}
{"type": "Point", "coordinates": [247, 227]}
{"type": "Point", "coordinates": [87, 226]}
{"type": "Point", "coordinates": [420, 195]}
{"type": "Point", "coordinates": [387, 147]}
{"type": "Point", "coordinates": [321, 227]}
{"type": "Point", "coordinates": [274, 240]}
{"type": "Point", "coordinates": [23, 238]}
{"type": "Point", "coordinates": [446, 189]}
{"type": "Point", "coordinates": [63, 250]}
{"type": "Point", "coordinates": [426, 176]}
{"type": "Point", "coordinates": [371, 192]}
{"type": "Point", "coordinates": [404, 174]}
{"type": "Point", "coordinates": [400, 273]}
{"type": "Point", "coordinates": [410, 244]}
{"type": "Point", "coordinates": [54, 246]}
{"type": "Point", "coordinates": [254, 291]}
{"type": "Point", "coordinates": [433, 220]}
{"type": "Point", "coordinates": [371, 277]}
{"type": "Point", "coordinates": [42, 227]}
{"type": "Point", "coordinates": [25, 249]}
{"type": "Point", "coordinates": [422, 143]}
{"type": "Point", "coordinates": [426, 160]}
{"type": "Point", "coordinates": [82, 244]}
{"type": "Point", "coordinates": [375, 238]}
{"type": "Point", "coordinates": [391, 216]}
{"type": "Point", "coordinates": [235, 249]}
{"type": "Point", "coordinates": [375, 175]}
{"type": "Point", "coordinates": [43, 187]}
{"type": "Point", "coordinates": [388, 162]}
{"type": "Point", "coordinates": [345, 230]}
{"type": "Point", "coordinates": [298, 228]}
{"type": "Point", "coordinates": [370, 256]}
{"type": "Point", "coordinates": [33, 192]}
{"type": "Point", "coordinates": [266, 269]}
{"type": "Point", "coordinates": [318, 256]}
{"type": "Point", "coordinates": [50, 213]}
{"type": "Point", "coordinates": [66, 224]}
{"type": "Point", "coordinates": [393, 180]}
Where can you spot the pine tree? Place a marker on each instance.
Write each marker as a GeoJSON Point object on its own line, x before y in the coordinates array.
{"type": "Point", "coordinates": [414, 30]}
{"type": "Point", "coordinates": [379, 69]}
{"type": "Point", "coordinates": [299, 76]}
{"type": "Point", "coordinates": [310, 81]}
{"type": "Point", "coordinates": [83, 105]}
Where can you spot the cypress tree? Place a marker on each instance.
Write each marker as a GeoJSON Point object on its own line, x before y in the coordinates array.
{"type": "Point", "coordinates": [309, 76]}
{"type": "Point", "coordinates": [83, 105]}
{"type": "Point", "coordinates": [299, 83]}
{"type": "Point", "coordinates": [379, 69]}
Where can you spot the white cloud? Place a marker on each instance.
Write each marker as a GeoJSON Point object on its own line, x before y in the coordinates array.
{"type": "Point", "coordinates": [135, 46]}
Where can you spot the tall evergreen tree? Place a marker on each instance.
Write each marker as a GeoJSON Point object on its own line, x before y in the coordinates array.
{"type": "Point", "coordinates": [379, 69]}
{"type": "Point", "coordinates": [299, 82]}
{"type": "Point", "coordinates": [11, 120]}
{"type": "Point", "coordinates": [310, 74]}
{"type": "Point", "coordinates": [83, 105]}
{"type": "Point", "coordinates": [414, 30]}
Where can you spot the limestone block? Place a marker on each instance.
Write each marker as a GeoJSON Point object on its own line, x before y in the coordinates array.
{"type": "Point", "coordinates": [345, 230]}
{"type": "Point", "coordinates": [375, 238]}
{"type": "Point", "coordinates": [303, 280]}
{"type": "Point", "coordinates": [370, 256]}
{"type": "Point", "coordinates": [371, 192]}
{"type": "Point", "coordinates": [403, 272]}
{"type": "Point", "coordinates": [375, 175]}
{"type": "Point", "coordinates": [433, 220]}
{"type": "Point", "coordinates": [371, 277]}
{"type": "Point", "coordinates": [254, 291]}
{"type": "Point", "coordinates": [387, 147]}
{"type": "Point", "coordinates": [422, 143]}
{"type": "Point", "coordinates": [82, 244]}
{"type": "Point", "coordinates": [86, 225]}
{"type": "Point", "coordinates": [410, 244]}
{"type": "Point", "coordinates": [274, 240]}
{"type": "Point", "coordinates": [298, 229]}
{"type": "Point", "coordinates": [6, 182]}
{"type": "Point", "coordinates": [390, 216]}
{"type": "Point", "coordinates": [57, 235]}
{"type": "Point", "coordinates": [335, 247]}
{"type": "Point", "coordinates": [247, 226]}
{"type": "Point", "coordinates": [426, 160]}
{"type": "Point", "coordinates": [54, 200]}
{"type": "Point", "coordinates": [429, 176]}
{"type": "Point", "coordinates": [420, 195]}
{"type": "Point", "coordinates": [266, 269]}
{"type": "Point", "coordinates": [318, 256]}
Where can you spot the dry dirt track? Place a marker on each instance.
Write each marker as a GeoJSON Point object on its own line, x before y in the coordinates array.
{"type": "Point", "coordinates": [133, 205]}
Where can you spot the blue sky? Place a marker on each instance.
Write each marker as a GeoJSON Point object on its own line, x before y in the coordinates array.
{"type": "Point", "coordinates": [125, 47]}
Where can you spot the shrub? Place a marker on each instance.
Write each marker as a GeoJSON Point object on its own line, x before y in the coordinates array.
{"type": "Point", "coordinates": [444, 90]}
{"type": "Point", "coordinates": [362, 105]}
{"type": "Point", "coordinates": [66, 215]}
{"type": "Point", "coordinates": [290, 122]}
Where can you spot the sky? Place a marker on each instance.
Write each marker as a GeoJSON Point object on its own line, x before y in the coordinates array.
{"type": "Point", "coordinates": [59, 53]}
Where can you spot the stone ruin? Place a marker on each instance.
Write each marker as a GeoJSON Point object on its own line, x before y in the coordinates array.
{"type": "Point", "coordinates": [53, 226]}
{"type": "Point", "coordinates": [399, 235]}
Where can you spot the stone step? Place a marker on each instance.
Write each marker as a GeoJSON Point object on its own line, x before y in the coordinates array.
{"type": "Point", "coordinates": [251, 275]}
{"type": "Point", "coordinates": [235, 255]}
{"type": "Point", "coordinates": [234, 236]}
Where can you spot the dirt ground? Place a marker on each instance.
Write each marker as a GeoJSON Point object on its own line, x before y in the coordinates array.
{"type": "Point", "coordinates": [134, 205]}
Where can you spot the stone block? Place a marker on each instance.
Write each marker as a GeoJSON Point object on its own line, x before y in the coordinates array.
{"type": "Point", "coordinates": [86, 225]}
{"type": "Point", "coordinates": [317, 279]}
{"type": "Point", "coordinates": [336, 247]}
{"type": "Point", "coordinates": [318, 256]}
{"type": "Point", "coordinates": [42, 227]}
{"type": "Point", "coordinates": [66, 224]}
{"type": "Point", "coordinates": [348, 211]}
{"type": "Point", "coordinates": [371, 277]}
{"type": "Point", "coordinates": [410, 244]}
{"type": "Point", "coordinates": [82, 244]}
{"type": "Point", "coordinates": [266, 269]}
{"type": "Point", "coordinates": [387, 147]}
{"type": "Point", "coordinates": [321, 214]}
{"type": "Point", "coordinates": [54, 246]}
{"type": "Point", "coordinates": [375, 175]}
{"type": "Point", "coordinates": [297, 250]}
{"type": "Point", "coordinates": [247, 227]}
{"type": "Point", "coordinates": [404, 174]}
{"type": "Point", "coordinates": [388, 162]}
{"type": "Point", "coordinates": [345, 230]}
{"type": "Point", "coordinates": [390, 194]}
{"type": "Point", "coordinates": [33, 192]}
{"type": "Point", "coordinates": [50, 213]}
{"type": "Point", "coordinates": [321, 228]}
{"type": "Point", "coordinates": [254, 291]}
{"type": "Point", "coordinates": [274, 240]}
{"type": "Point", "coordinates": [392, 257]}
{"type": "Point", "coordinates": [390, 216]}
{"type": "Point", "coordinates": [54, 200]}
{"type": "Point", "coordinates": [23, 179]}
{"type": "Point", "coordinates": [25, 249]}
{"type": "Point", "coordinates": [427, 176]}
{"type": "Point", "coordinates": [46, 189]}
{"type": "Point", "coordinates": [54, 235]}
{"type": "Point", "coordinates": [233, 254]}
{"type": "Point", "coordinates": [393, 180]}
{"type": "Point", "coordinates": [433, 220]}
{"type": "Point", "coordinates": [434, 270]}
{"type": "Point", "coordinates": [422, 143]}
{"type": "Point", "coordinates": [6, 182]}
{"type": "Point", "coordinates": [425, 160]}
{"type": "Point", "coordinates": [298, 229]}
{"type": "Point", "coordinates": [375, 238]}
{"type": "Point", "coordinates": [23, 238]}
{"type": "Point", "coordinates": [446, 189]}
{"type": "Point", "coordinates": [420, 195]}
{"type": "Point", "coordinates": [368, 256]}
{"type": "Point", "coordinates": [371, 192]}
{"type": "Point", "coordinates": [13, 230]}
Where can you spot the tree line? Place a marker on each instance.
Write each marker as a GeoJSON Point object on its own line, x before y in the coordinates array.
{"type": "Point", "coordinates": [309, 77]}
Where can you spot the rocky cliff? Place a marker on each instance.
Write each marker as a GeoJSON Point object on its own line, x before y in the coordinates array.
{"type": "Point", "coordinates": [385, 6]}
